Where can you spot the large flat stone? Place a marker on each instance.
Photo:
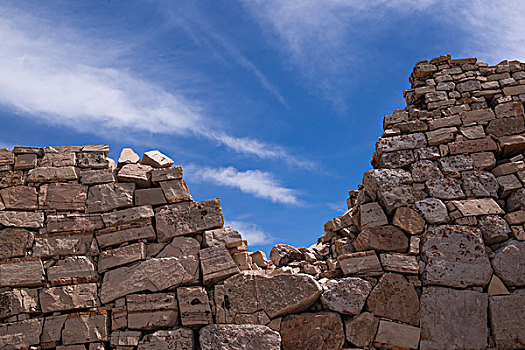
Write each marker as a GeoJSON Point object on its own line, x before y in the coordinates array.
{"type": "Point", "coordinates": [97, 177]}
{"type": "Point", "coordinates": [222, 236]}
{"type": "Point", "coordinates": [152, 311]}
{"type": "Point", "coordinates": [73, 269]}
{"type": "Point", "coordinates": [127, 216]}
{"type": "Point", "coordinates": [14, 242]}
{"type": "Point", "coordinates": [62, 159]}
{"type": "Point", "coordinates": [114, 237]}
{"type": "Point", "coordinates": [507, 318]}
{"type": "Point", "coordinates": [178, 339]}
{"type": "Point", "coordinates": [121, 256]}
{"type": "Point", "coordinates": [52, 174]}
{"type": "Point", "coordinates": [27, 272]}
{"type": "Point", "coordinates": [230, 336]}
{"type": "Point", "coordinates": [217, 264]}
{"type": "Point", "coordinates": [453, 319]}
{"type": "Point", "coordinates": [19, 198]}
{"type": "Point", "coordinates": [187, 218]}
{"type": "Point", "coordinates": [194, 306]}
{"type": "Point", "coordinates": [62, 244]}
{"type": "Point", "coordinates": [508, 263]}
{"type": "Point", "coordinates": [21, 334]}
{"type": "Point", "coordinates": [110, 196]}
{"type": "Point", "coordinates": [63, 196]}
{"type": "Point", "coordinates": [346, 295]}
{"type": "Point", "coordinates": [480, 206]}
{"type": "Point", "coordinates": [85, 328]}
{"type": "Point", "coordinates": [382, 238]}
{"type": "Point", "coordinates": [176, 191]}
{"type": "Point", "coordinates": [25, 219]}
{"type": "Point", "coordinates": [17, 301]}
{"type": "Point", "coordinates": [360, 263]}
{"type": "Point", "coordinates": [71, 297]}
{"type": "Point", "coordinates": [323, 331]}
{"type": "Point", "coordinates": [136, 173]}
{"type": "Point", "coordinates": [455, 257]}
{"type": "Point", "coordinates": [151, 275]}
{"type": "Point", "coordinates": [391, 335]}
{"type": "Point", "coordinates": [73, 223]}
{"type": "Point", "coordinates": [360, 330]}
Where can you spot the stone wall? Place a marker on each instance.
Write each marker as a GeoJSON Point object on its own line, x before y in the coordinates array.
{"type": "Point", "coordinates": [430, 255]}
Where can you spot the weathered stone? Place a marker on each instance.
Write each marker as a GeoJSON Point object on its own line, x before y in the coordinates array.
{"type": "Point", "coordinates": [63, 196]}
{"type": "Point", "coordinates": [181, 246]}
{"type": "Point", "coordinates": [75, 296]}
{"type": "Point", "coordinates": [401, 142]}
{"type": "Point", "coordinates": [382, 238]}
{"type": "Point", "coordinates": [395, 197]}
{"type": "Point", "coordinates": [511, 109]}
{"type": "Point", "coordinates": [188, 218]}
{"type": "Point", "coordinates": [443, 135]}
{"type": "Point", "coordinates": [12, 178]}
{"type": "Point", "coordinates": [125, 338]}
{"type": "Point", "coordinates": [152, 311]}
{"type": "Point", "coordinates": [22, 219]}
{"type": "Point", "coordinates": [72, 269]}
{"type": "Point", "coordinates": [360, 263]}
{"type": "Point", "coordinates": [472, 146]}
{"type": "Point", "coordinates": [17, 301]}
{"type": "Point", "coordinates": [217, 264]}
{"type": "Point", "coordinates": [14, 242]}
{"type": "Point", "coordinates": [372, 215]}
{"type": "Point", "coordinates": [479, 184]}
{"type": "Point", "coordinates": [156, 159]}
{"type": "Point", "coordinates": [283, 254]}
{"type": "Point", "coordinates": [128, 156]}
{"type": "Point", "coordinates": [453, 319]}
{"type": "Point", "coordinates": [109, 196]}
{"type": "Point", "coordinates": [73, 223]}
{"type": "Point", "coordinates": [397, 159]}
{"type": "Point", "coordinates": [516, 200]}
{"type": "Point", "coordinates": [96, 148]}
{"type": "Point", "coordinates": [494, 229]}
{"type": "Point", "coordinates": [259, 259]}
{"type": "Point", "coordinates": [178, 339]}
{"type": "Point", "coordinates": [447, 188]}
{"type": "Point", "coordinates": [26, 162]}
{"type": "Point", "coordinates": [477, 116]}
{"type": "Point", "coordinates": [507, 318]}
{"type": "Point", "coordinates": [27, 272]}
{"type": "Point", "coordinates": [62, 244]}
{"type": "Point", "coordinates": [409, 221]}
{"type": "Point", "coordinates": [21, 334]}
{"type": "Point", "coordinates": [152, 275]}
{"type": "Point", "coordinates": [222, 236]}
{"type": "Point", "coordinates": [428, 153]}
{"type": "Point", "coordinates": [514, 90]}
{"type": "Point", "coordinates": [243, 261]}
{"type": "Point", "coordinates": [395, 262]}
{"type": "Point", "coordinates": [85, 328]}
{"type": "Point", "coordinates": [470, 85]}
{"type": "Point", "coordinates": [97, 177]}
{"type": "Point", "coordinates": [508, 264]}
{"type": "Point", "coordinates": [137, 173]}
{"type": "Point", "coordinates": [502, 127]}
{"type": "Point", "coordinates": [6, 157]}
{"type": "Point", "coordinates": [166, 174]}
{"type": "Point", "coordinates": [456, 163]}
{"type": "Point", "coordinates": [230, 336]}
{"type": "Point", "coordinates": [121, 256]}
{"type": "Point", "coordinates": [476, 207]}
{"type": "Point", "coordinates": [52, 174]}
{"type": "Point", "coordinates": [507, 184]}
{"type": "Point", "coordinates": [394, 298]}
{"type": "Point", "coordinates": [149, 196]}
{"type": "Point", "coordinates": [276, 295]}
{"type": "Point", "coordinates": [53, 325]}
{"type": "Point", "coordinates": [424, 170]}
{"type": "Point", "coordinates": [126, 216]}
{"type": "Point", "coordinates": [28, 150]}
{"type": "Point", "coordinates": [511, 145]}
{"type": "Point", "coordinates": [392, 335]}
{"type": "Point", "coordinates": [113, 237]}
{"type": "Point", "coordinates": [455, 257]}
{"type": "Point", "coordinates": [360, 330]}
{"type": "Point", "coordinates": [516, 218]}
{"type": "Point", "coordinates": [61, 159]}
{"type": "Point", "coordinates": [483, 160]}
{"type": "Point", "coordinates": [321, 331]}
{"type": "Point", "coordinates": [194, 306]}
{"type": "Point", "coordinates": [93, 160]}
{"type": "Point", "coordinates": [346, 295]}
{"type": "Point", "coordinates": [473, 132]}
{"type": "Point", "coordinates": [433, 210]}
{"type": "Point", "coordinates": [496, 287]}
{"type": "Point", "coordinates": [176, 191]}
{"type": "Point", "coordinates": [376, 178]}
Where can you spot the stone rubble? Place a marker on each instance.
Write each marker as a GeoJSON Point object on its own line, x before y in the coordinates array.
{"type": "Point", "coordinates": [97, 254]}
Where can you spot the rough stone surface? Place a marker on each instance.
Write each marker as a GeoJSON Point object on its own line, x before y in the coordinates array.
{"type": "Point", "coordinates": [230, 337]}
{"type": "Point", "coordinates": [226, 236]}
{"type": "Point", "coordinates": [382, 238]}
{"type": "Point", "coordinates": [177, 339]}
{"type": "Point", "coordinates": [23, 219]}
{"type": "Point", "coordinates": [361, 330]}
{"type": "Point", "coordinates": [396, 336]}
{"type": "Point", "coordinates": [283, 254]}
{"type": "Point", "coordinates": [455, 257]}
{"type": "Point", "coordinates": [433, 210]}
{"type": "Point", "coordinates": [194, 306]}
{"type": "Point", "coordinates": [76, 296]}
{"type": "Point", "coordinates": [401, 263]}
{"type": "Point", "coordinates": [372, 215]}
{"type": "Point", "coordinates": [176, 191]}
{"type": "Point", "coordinates": [14, 242]}
{"type": "Point", "coordinates": [63, 196]}
{"type": "Point", "coordinates": [217, 264]}
{"type": "Point", "coordinates": [508, 263]}
{"type": "Point", "coordinates": [409, 221]}
{"type": "Point", "coordinates": [494, 229]}
{"type": "Point", "coordinates": [62, 244]}
{"type": "Point", "coordinates": [109, 196]}
{"type": "Point", "coordinates": [19, 198]}
{"type": "Point", "coordinates": [346, 296]}
{"type": "Point", "coordinates": [17, 301]}
{"type": "Point", "coordinates": [476, 207]}
{"type": "Point", "coordinates": [27, 272]}
{"type": "Point", "coordinates": [322, 331]}
{"type": "Point", "coordinates": [72, 269]}
{"type": "Point", "coordinates": [479, 184]}
{"type": "Point", "coordinates": [52, 174]}
{"type": "Point", "coordinates": [507, 318]}
{"type": "Point", "coordinates": [85, 328]}
{"type": "Point", "coordinates": [463, 326]}
{"type": "Point", "coordinates": [152, 311]}
{"type": "Point", "coordinates": [20, 335]}
{"type": "Point", "coordinates": [360, 263]}
{"type": "Point", "coordinates": [121, 256]}
{"type": "Point", "coordinates": [156, 159]}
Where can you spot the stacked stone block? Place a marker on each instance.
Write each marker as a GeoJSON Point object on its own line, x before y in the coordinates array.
{"type": "Point", "coordinates": [430, 254]}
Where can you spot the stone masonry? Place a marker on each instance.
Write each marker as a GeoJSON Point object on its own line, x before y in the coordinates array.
{"type": "Point", "coordinates": [97, 254]}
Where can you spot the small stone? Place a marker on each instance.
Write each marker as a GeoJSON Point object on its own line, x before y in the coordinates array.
{"type": "Point", "coordinates": [181, 246]}
{"type": "Point", "coordinates": [156, 159]}
{"type": "Point", "coordinates": [472, 146]}
{"type": "Point", "coordinates": [397, 336]}
{"type": "Point", "coordinates": [458, 163]}
{"type": "Point", "coordinates": [346, 295]}
{"type": "Point", "coordinates": [152, 311]}
{"type": "Point", "coordinates": [217, 264]}
{"type": "Point", "coordinates": [194, 306]}
{"type": "Point", "coordinates": [477, 116]}
{"type": "Point", "coordinates": [26, 162]}
{"type": "Point", "coordinates": [14, 242]}
{"type": "Point", "coordinates": [166, 174]}
{"type": "Point", "coordinates": [76, 296]}
{"type": "Point", "coordinates": [453, 319]}
{"type": "Point", "coordinates": [97, 177]}
{"type": "Point", "coordinates": [6, 157]}
{"type": "Point", "coordinates": [73, 269]}
{"type": "Point", "coordinates": [322, 330]}
{"type": "Point", "coordinates": [443, 135]}
{"type": "Point", "coordinates": [479, 184]}
{"type": "Point", "coordinates": [259, 259]}
{"type": "Point", "coordinates": [501, 127]}
{"type": "Point", "coordinates": [507, 263]}
{"type": "Point", "coordinates": [424, 170]}
{"type": "Point", "coordinates": [360, 330]}
{"type": "Point", "coordinates": [131, 215]}
{"type": "Point", "coordinates": [382, 238]}
{"type": "Point", "coordinates": [17, 301]}
{"type": "Point", "coordinates": [52, 329]}
{"type": "Point", "coordinates": [62, 159]}
{"type": "Point", "coordinates": [22, 333]}
{"type": "Point", "coordinates": [516, 200]}
{"type": "Point", "coordinates": [477, 207]}
{"type": "Point", "coordinates": [121, 256]}
{"type": "Point", "coordinates": [136, 173]}
{"type": "Point", "coordinates": [85, 328]}
{"type": "Point", "coordinates": [455, 257]}
{"type": "Point", "coordinates": [93, 160]}
{"type": "Point", "coordinates": [28, 272]}
{"type": "Point", "coordinates": [96, 148]}
{"type": "Point", "coordinates": [283, 254]}
{"type": "Point", "coordinates": [176, 191]}
{"type": "Point", "coordinates": [222, 236]}
{"type": "Point", "coordinates": [433, 210]}
{"type": "Point", "coordinates": [511, 145]}
{"type": "Point", "coordinates": [395, 197]}
{"type": "Point", "coordinates": [397, 159]}
{"type": "Point", "coordinates": [409, 221]}
{"type": "Point", "coordinates": [494, 229]}
{"type": "Point", "coordinates": [507, 318]}
{"type": "Point", "coordinates": [231, 336]}
{"type": "Point", "coordinates": [127, 338]}
{"type": "Point", "coordinates": [127, 156]}
{"type": "Point", "coordinates": [110, 196]}
{"type": "Point", "coordinates": [483, 160]}
{"type": "Point", "coordinates": [178, 338]}
{"type": "Point", "coordinates": [372, 215]}
{"type": "Point", "coordinates": [447, 188]}
{"type": "Point", "coordinates": [73, 223]}
{"type": "Point", "coordinates": [511, 109]}
{"type": "Point", "coordinates": [360, 263]}
{"type": "Point", "coordinates": [63, 196]}
{"type": "Point", "coordinates": [470, 85]}
{"type": "Point", "coordinates": [401, 142]}
{"type": "Point", "coordinates": [395, 262]}
{"type": "Point", "coordinates": [149, 196]}
{"type": "Point", "coordinates": [496, 287]}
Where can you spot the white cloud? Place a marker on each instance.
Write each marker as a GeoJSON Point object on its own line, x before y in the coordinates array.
{"type": "Point", "coordinates": [251, 233]}
{"type": "Point", "coordinates": [259, 183]}
{"type": "Point", "coordinates": [62, 78]}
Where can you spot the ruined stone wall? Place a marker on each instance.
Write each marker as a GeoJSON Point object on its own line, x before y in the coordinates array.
{"type": "Point", "coordinates": [430, 255]}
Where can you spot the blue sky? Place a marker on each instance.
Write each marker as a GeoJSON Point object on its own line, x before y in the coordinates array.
{"type": "Point", "coordinates": [274, 106]}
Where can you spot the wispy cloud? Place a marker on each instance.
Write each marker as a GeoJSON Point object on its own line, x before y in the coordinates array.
{"type": "Point", "coordinates": [258, 183]}
{"type": "Point", "coordinates": [250, 232]}
{"type": "Point", "coordinates": [51, 75]}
